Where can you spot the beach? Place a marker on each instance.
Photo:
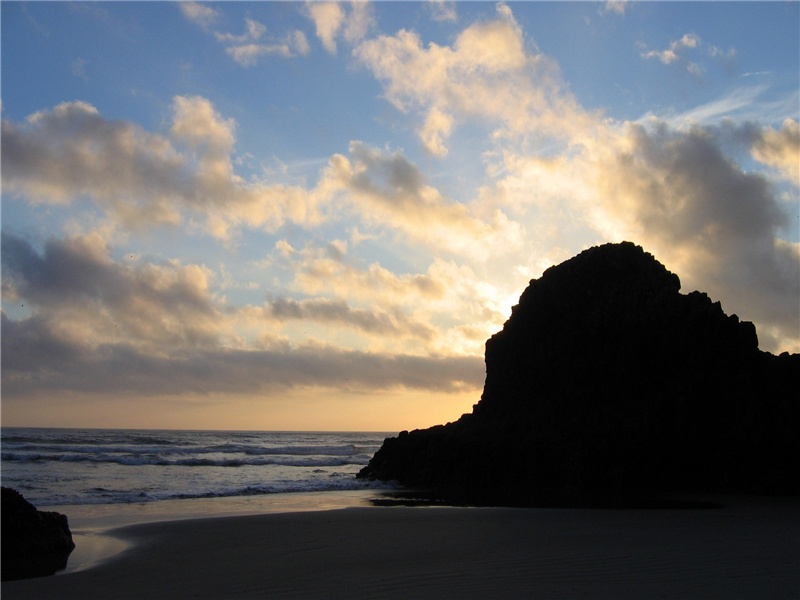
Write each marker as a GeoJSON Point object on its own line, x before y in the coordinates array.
{"type": "Point", "coordinates": [746, 548]}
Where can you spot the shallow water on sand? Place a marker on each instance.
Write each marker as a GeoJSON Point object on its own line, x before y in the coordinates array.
{"type": "Point", "coordinates": [91, 524]}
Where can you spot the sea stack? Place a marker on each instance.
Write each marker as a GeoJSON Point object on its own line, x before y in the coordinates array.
{"type": "Point", "coordinates": [607, 385]}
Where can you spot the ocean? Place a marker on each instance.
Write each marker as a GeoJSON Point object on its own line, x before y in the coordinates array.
{"type": "Point", "coordinates": [57, 467]}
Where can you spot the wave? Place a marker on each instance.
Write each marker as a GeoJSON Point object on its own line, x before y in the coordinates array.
{"type": "Point", "coordinates": [338, 450]}
{"type": "Point", "coordinates": [86, 466]}
{"type": "Point", "coordinates": [83, 438]}
{"type": "Point", "coordinates": [157, 460]}
{"type": "Point", "coordinates": [108, 496]}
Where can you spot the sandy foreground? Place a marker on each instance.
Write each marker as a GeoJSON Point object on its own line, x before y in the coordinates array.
{"type": "Point", "coordinates": [749, 548]}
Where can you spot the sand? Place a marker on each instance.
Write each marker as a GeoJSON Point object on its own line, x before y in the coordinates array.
{"type": "Point", "coordinates": [749, 548]}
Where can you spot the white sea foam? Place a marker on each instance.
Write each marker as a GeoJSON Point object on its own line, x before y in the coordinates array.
{"type": "Point", "coordinates": [54, 467]}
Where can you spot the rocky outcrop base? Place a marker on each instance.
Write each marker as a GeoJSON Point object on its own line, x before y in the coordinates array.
{"type": "Point", "coordinates": [34, 543]}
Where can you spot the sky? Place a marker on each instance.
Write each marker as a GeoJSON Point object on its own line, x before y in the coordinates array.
{"type": "Point", "coordinates": [311, 216]}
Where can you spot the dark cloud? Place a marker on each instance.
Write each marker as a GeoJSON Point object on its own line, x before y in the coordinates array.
{"type": "Point", "coordinates": [72, 151]}
{"type": "Point", "coordinates": [697, 191]}
{"type": "Point", "coordinates": [717, 223]}
{"type": "Point", "coordinates": [140, 178]}
{"type": "Point", "coordinates": [103, 327]}
{"type": "Point", "coordinates": [76, 286]}
{"type": "Point", "coordinates": [387, 188]}
{"type": "Point", "coordinates": [35, 361]}
{"type": "Point", "coordinates": [391, 176]}
{"type": "Point", "coordinates": [30, 347]}
{"type": "Point", "coordinates": [395, 323]}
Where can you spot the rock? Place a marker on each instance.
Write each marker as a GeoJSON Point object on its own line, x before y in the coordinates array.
{"type": "Point", "coordinates": [34, 543]}
{"type": "Point", "coordinates": [605, 383]}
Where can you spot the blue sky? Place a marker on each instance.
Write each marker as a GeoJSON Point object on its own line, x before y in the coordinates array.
{"type": "Point", "coordinates": [312, 215]}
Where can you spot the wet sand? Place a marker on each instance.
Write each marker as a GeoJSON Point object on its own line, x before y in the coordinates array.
{"type": "Point", "coordinates": [749, 548]}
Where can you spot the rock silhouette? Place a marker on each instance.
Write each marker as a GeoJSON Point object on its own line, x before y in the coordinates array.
{"type": "Point", "coordinates": [34, 542]}
{"type": "Point", "coordinates": [608, 385]}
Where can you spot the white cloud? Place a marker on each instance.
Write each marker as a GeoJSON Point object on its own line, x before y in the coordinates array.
{"type": "Point", "coordinates": [298, 41]}
{"type": "Point", "coordinates": [487, 74]}
{"type": "Point", "coordinates": [248, 54]}
{"type": "Point", "coordinates": [332, 20]}
{"type": "Point", "coordinates": [448, 298]}
{"type": "Point", "coordinates": [79, 68]}
{"type": "Point", "coordinates": [745, 103]}
{"type": "Point", "coordinates": [781, 149]}
{"type": "Point", "coordinates": [671, 54]}
{"type": "Point", "coordinates": [386, 189]}
{"type": "Point", "coordinates": [248, 47]}
{"type": "Point", "coordinates": [679, 49]}
{"type": "Point", "coordinates": [358, 22]}
{"type": "Point", "coordinates": [254, 30]}
{"type": "Point", "coordinates": [328, 18]}
{"type": "Point", "coordinates": [443, 10]}
{"type": "Point", "coordinates": [293, 44]}
{"type": "Point", "coordinates": [616, 6]}
{"type": "Point", "coordinates": [199, 13]}
{"type": "Point", "coordinates": [196, 122]}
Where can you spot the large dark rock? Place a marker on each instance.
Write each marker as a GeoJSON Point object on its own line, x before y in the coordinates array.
{"type": "Point", "coordinates": [607, 383]}
{"type": "Point", "coordinates": [34, 543]}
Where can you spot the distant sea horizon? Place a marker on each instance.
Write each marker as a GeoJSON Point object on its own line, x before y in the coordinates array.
{"type": "Point", "coordinates": [56, 466]}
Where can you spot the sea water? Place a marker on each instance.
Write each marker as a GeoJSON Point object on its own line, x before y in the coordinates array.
{"type": "Point", "coordinates": [57, 467]}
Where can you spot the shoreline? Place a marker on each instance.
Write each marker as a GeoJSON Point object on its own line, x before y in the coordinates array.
{"type": "Point", "coordinates": [93, 525]}
{"type": "Point", "coordinates": [747, 548]}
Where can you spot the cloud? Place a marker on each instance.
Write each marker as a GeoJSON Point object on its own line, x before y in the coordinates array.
{"type": "Point", "coordinates": [141, 178]}
{"type": "Point", "coordinates": [448, 296]}
{"type": "Point", "coordinates": [732, 103]}
{"type": "Point", "coordinates": [395, 323]}
{"type": "Point", "coordinates": [616, 6]}
{"type": "Point", "coordinates": [248, 54]}
{"type": "Point", "coordinates": [197, 123]}
{"type": "Point", "coordinates": [443, 10]}
{"type": "Point", "coordinates": [387, 189]}
{"type": "Point", "coordinates": [199, 13]}
{"type": "Point", "coordinates": [709, 220]}
{"type": "Point", "coordinates": [245, 51]}
{"type": "Point", "coordinates": [358, 22]}
{"type": "Point", "coordinates": [671, 54]}
{"type": "Point", "coordinates": [332, 20]}
{"type": "Point", "coordinates": [486, 74]}
{"type": "Point", "coordinates": [254, 30]}
{"type": "Point", "coordinates": [679, 49]}
{"type": "Point", "coordinates": [106, 327]}
{"type": "Point", "coordinates": [328, 18]}
{"type": "Point", "coordinates": [34, 363]}
{"type": "Point", "coordinates": [781, 149]}
{"type": "Point", "coordinates": [680, 192]}
{"type": "Point", "coordinates": [245, 48]}
{"type": "Point", "coordinates": [328, 270]}
{"type": "Point", "coordinates": [559, 178]}
{"type": "Point", "coordinates": [72, 151]}
{"type": "Point", "coordinates": [101, 326]}
{"type": "Point", "coordinates": [79, 68]}
{"type": "Point", "coordinates": [86, 299]}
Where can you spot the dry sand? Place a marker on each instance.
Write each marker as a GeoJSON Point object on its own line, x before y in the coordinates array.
{"type": "Point", "coordinates": [747, 549]}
